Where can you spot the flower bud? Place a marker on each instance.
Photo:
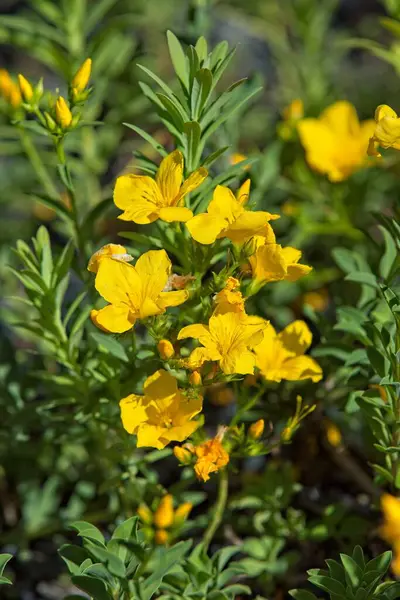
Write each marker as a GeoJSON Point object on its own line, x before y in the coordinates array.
{"type": "Point", "coordinates": [182, 513]}
{"type": "Point", "coordinates": [145, 514]}
{"type": "Point", "coordinates": [26, 88]}
{"type": "Point", "coordinates": [51, 124]}
{"type": "Point", "coordinates": [333, 434]}
{"type": "Point", "coordinates": [183, 455]}
{"type": "Point", "coordinates": [256, 429]}
{"type": "Point", "coordinates": [82, 76]}
{"type": "Point", "coordinates": [195, 378]}
{"type": "Point", "coordinates": [165, 349]}
{"type": "Point", "coordinates": [63, 114]}
{"type": "Point", "coordinates": [164, 515]}
{"type": "Point", "coordinates": [161, 537]}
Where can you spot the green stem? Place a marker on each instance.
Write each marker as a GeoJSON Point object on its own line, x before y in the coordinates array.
{"type": "Point", "coordinates": [218, 511]}
{"type": "Point", "coordinates": [37, 164]}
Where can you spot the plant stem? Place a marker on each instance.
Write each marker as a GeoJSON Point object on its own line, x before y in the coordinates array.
{"type": "Point", "coordinates": [218, 509]}
{"type": "Point", "coordinates": [37, 164]}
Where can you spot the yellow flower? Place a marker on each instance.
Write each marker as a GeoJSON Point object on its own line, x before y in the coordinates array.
{"type": "Point", "coordinates": [63, 114]}
{"type": "Point", "coordinates": [82, 76]}
{"type": "Point", "coordinates": [243, 193]}
{"type": "Point", "coordinates": [9, 90]}
{"type": "Point", "coordinates": [144, 200]}
{"type": "Point", "coordinates": [134, 292]}
{"type": "Point", "coordinates": [226, 217]}
{"type": "Point", "coordinates": [281, 356]}
{"type": "Point", "coordinates": [195, 378]}
{"type": "Point", "coordinates": [228, 338]}
{"type": "Point", "coordinates": [387, 130]}
{"type": "Point", "coordinates": [271, 262]}
{"type": "Point", "coordinates": [256, 429]}
{"type": "Point", "coordinates": [294, 111]}
{"type": "Point", "coordinates": [165, 349]}
{"type": "Point", "coordinates": [182, 513]}
{"type": "Point", "coordinates": [161, 537]}
{"type": "Point", "coordinates": [211, 457]}
{"type": "Point", "coordinates": [237, 158]}
{"type": "Point", "coordinates": [220, 394]}
{"type": "Point", "coordinates": [229, 299]}
{"type": "Point", "coordinates": [183, 455]}
{"type": "Point", "coordinates": [164, 515]}
{"type": "Point", "coordinates": [317, 299]}
{"type": "Point", "coordinates": [390, 530]}
{"type": "Point", "coordinates": [162, 415]}
{"type": "Point", "coordinates": [26, 88]}
{"type": "Point", "coordinates": [145, 514]}
{"type": "Point", "coordinates": [336, 143]}
{"type": "Point", "coordinates": [333, 434]}
{"type": "Point", "coordinates": [115, 251]}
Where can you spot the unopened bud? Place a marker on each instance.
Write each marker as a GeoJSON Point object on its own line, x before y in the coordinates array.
{"type": "Point", "coordinates": [182, 513]}
{"type": "Point", "coordinates": [63, 114]}
{"type": "Point", "coordinates": [51, 124]}
{"type": "Point", "coordinates": [161, 537]}
{"type": "Point", "coordinates": [165, 349]}
{"type": "Point", "coordinates": [333, 434]}
{"type": "Point", "coordinates": [195, 378]}
{"type": "Point", "coordinates": [26, 88]}
{"type": "Point", "coordinates": [256, 429]}
{"type": "Point", "coordinates": [82, 76]}
{"type": "Point", "coordinates": [164, 515]}
{"type": "Point", "coordinates": [145, 514]}
{"type": "Point", "coordinates": [183, 455]}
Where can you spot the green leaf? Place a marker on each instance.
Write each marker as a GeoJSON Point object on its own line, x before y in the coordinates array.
{"type": "Point", "coordinates": [201, 48]}
{"type": "Point", "coordinates": [110, 345]}
{"type": "Point", "coordinates": [201, 90]}
{"type": "Point", "coordinates": [328, 585]}
{"type": "Point", "coordinates": [389, 257]}
{"type": "Point", "coordinates": [381, 563]}
{"type": "Point", "coordinates": [156, 145]}
{"type": "Point", "coordinates": [140, 238]}
{"type": "Point", "coordinates": [94, 214]}
{"type": "Point", "coordinates": [88, 531]}
{"type": "Point", "coordinates": [302, 595]}
{"type": "Point", "coordinates": [211, 158]}
{"type": "Point", "coordinates": [60, 209]}
{"type": "Point", "coordinates": [65, 177]}
{"type": "Point", "coordinates": [160, 82]}
{"type": "Point", "coordinates": [63, 264]}
{"type": "Point", "coordinates": [96, 588]}
{"type": "Point", "coordinates": [111, 561]}
{"type": "Point", "coordinates": [365, 278]}
{"type": "Point", "coordinates": [174, 111]}
{"type": "Point", "coordinates": [354, 573]}
{"type": "Point", "coordinates": [358, 556]}
{"type": "Point", "coordinates": [192, 139]}
{"type": "Point", "coordinates": [178, 59]}
{"type": "Point", "coordinates": [73, 556]}
{"type": "Point", "coordinates": [126, 531]}
{"type": "Point", "coordinates": [167, 560]}
{"type": "Point", "coordinates": [336, 571]}
{"type": "Point", "coordinates": [4, 558]}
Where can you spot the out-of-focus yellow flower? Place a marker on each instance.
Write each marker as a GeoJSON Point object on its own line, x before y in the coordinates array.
{"type": "Point", "coordinates": [211, 457]}
{"type": "Point", "coordinates": [161, 537]}
{"type": "Point", "coordinates": [115, 251]}
{"type": "Point", "coordinates": [387, 130]}
{"type": "Point", "coordinates": [182, 513]}
{"type": "Point", "coordinates": [165, 349]}
{"type": "Point", "coordinates": [237, 158]}
{"type": "Point", "coordinates": [271, 262]}
{"type": "Point", "coordinates": [317, 299]}
{"type": "Point", "coordinates": [183, 455]}
{"type": "Point", "coordinates": [282, 356]}
{"type": "Point", "coordinates": [294, 111]}
{"type": "Point", "coordinates": [195, 378]}
{"type": "Point", "coordinates": [145, 514]}
{"type": "Point", "coordinates": [164, 515]}
{"type": "Point", "coordinates": [144, 200]}
{"type": "Point", "coordinates": [291, 208]}
{"type": "Point", "coordinates": [63, 113]}
{"type": "Point", "coordinates": [25, 88]}
{"type": "Point", "coordinates": [228, 339]}
{"type": "Point", "coordinates": [82, 76]}
{"type": "Point", "coordinates": [333, 434]}
{"type": "Point", "coordinates": [226, 217]}
{"type": "Point", "coordinates": [381, 390]}
{"type": "Point", "coordinates": [134, 292]}
{"type": "Point", "coordinates": [162, 415]}
{"type": "Point", "coordinates": [220, 394]}
{"type": "Point", "coordinates": [390, 530]}
{"type": "Point", "coordinates": [9, 90]}
{"type": "Point", "coordinates": [336, 143]}
{"type": "Point", "coordinates": [229, 299]}
{"type": "Point", "coordinates": [256, 429]}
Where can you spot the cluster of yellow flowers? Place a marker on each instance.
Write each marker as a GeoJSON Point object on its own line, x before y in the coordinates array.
{"type": "Point", "coordinates": [231, 342]}
{"type": "Point", "coordinates": [162, 525]}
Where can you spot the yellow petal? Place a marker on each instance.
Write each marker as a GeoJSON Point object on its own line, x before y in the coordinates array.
{"type": "Point", "coordinates": [151, 436]}
{"type": "Point", "coordinates": [201, 355]}
{"type": "Point", "coordinates": [341, 117]}
{"type": "Point", "coordinates": [387, 133]}
{"type": "Point", "coordinates": [107, 250]}
{"type": "Point", "coordinates": [268, 264]}
{"type": "Point", "coordinates": [224, 204]}
{"type": "Point", "coordinates": [294, 272]}
{"type": "Point", "coordinates": [172, 298]}
{"type": "Point", "coordinates": [179, 433]}
{"type": "Point", "coordinates": [197, 331]}
{"type": "Point", "coordinates": [160, 385]}
{"type": "Point", "coordinates": [382, 111]}
{"type": "Point", "coordinates": [153, 269]}
{"type": "Point", "coordinates": [291, 255]}
{"type": "Point", "coordinates": [296, 337]}
{"type": "Point", "coordinates": [133, 412]}
{"type": "Point", "coordinates": [301, 367]}
{"type": "Point", "coordinates": [246, 226]}
{"type": "Point", "coordinates": [149, 308]}
{"type": "Point", "coordinates": [139, 197]}
{"type": "Point", "coordinates": [242, 362]}
{"type": "Point", "coordinates": [205, 228]}
{"type": "Point", "coordinates": [175, 213]}
{"type": "Point", "coordinates": [242, 195]}
{"type": "Point", "coordinates": [169, 177]}
{"type": "Point", "coordinates": [117, 281]}
{"type": "Point", "coordinates": [188, 409]}
{"type": "Point", "coordinates": [193, 181]}
{"type": "Point", "coordinates": [115, 319]}
{"type": "Point", "coordinates": [320, 144]}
